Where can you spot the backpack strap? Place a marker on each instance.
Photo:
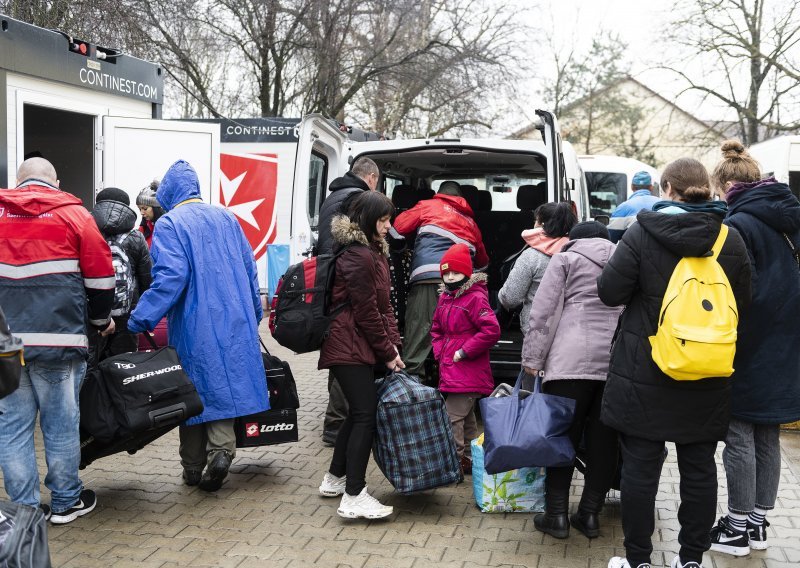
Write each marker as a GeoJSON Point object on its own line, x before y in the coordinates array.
{"type": "Point", "coordinates": [795, 252]}
{"type": "Point", "coordinates": [717, 248]}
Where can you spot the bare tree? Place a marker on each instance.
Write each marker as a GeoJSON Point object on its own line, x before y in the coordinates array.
{"type": "Point", "coordinates": [744, 54]}
{"type": "Point", "coordinates": [446, 86]}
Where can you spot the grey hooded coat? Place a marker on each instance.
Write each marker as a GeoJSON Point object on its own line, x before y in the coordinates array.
{"type": "Point", "coordinates": [570, 329]}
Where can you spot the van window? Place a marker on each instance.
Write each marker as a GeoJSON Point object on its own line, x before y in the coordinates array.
{"type": "Point", "coordinates": [606, 191]}
{"type": "Point", "coordinates": [317, 178]}
{"type": "Point", "coordinates": [503, 187]}
{"type": "Point", "coordinates": [389, 183]}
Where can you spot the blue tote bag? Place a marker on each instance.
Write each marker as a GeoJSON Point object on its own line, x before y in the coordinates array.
{"type": "Point", "coordinates": [527, 432]}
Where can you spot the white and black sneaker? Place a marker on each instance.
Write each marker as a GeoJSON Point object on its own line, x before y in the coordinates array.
{"type": "Point", "coordinates": [620, 562]}
{"type": "Point", "coordinates": [758, 535]}
{"type": "Point", "coordinates": [86, 504]}
{"type": "Point", "coordinates": [676, 563]}
{"type": "Point", "coordinates": [363, 506]}
{"type": "Point", "coordinates": [724, 538]}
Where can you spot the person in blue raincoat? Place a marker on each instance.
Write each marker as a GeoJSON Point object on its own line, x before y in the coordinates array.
{"type": "Point", "coordinates": [204, 280]}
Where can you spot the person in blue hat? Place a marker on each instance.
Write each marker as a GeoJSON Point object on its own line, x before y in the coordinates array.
{"type": "Point", "coordinates": [625, 215]}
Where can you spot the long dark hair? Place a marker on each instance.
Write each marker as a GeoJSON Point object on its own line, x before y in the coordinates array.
{"type": "Point", "coordinates": [557, 219]}
{"type": "Point", "coordinates": [367, 209]}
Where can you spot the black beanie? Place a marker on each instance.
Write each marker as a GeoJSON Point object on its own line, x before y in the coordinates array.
{"type": "Point", "coordinates": [113, 194]}
{"type": "Point", "coordinates": [589, 230]}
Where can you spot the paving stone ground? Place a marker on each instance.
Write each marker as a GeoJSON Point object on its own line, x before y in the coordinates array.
{"type": "Point", "coordinates": [269, 514]}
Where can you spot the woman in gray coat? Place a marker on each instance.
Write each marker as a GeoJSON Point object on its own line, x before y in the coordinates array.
{"type": "Point", "coordinates": [569, 340]}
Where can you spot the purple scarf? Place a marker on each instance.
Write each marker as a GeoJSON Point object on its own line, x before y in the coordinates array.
{"type": "Point", "coordinates": [738, 188]}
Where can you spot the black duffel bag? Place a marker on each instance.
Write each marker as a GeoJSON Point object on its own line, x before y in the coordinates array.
{"type": "Point", "coordinates": [278, 425]}
{"type": "Point", "coordinates": [23, 537]}
{"type": "Point", "coordinates": [134, 393]}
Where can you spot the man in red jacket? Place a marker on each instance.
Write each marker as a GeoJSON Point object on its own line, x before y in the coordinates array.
{"type": "Point", "coordinates": [440, 223]}
{"type": "Point", "coordinates": [55, 274]}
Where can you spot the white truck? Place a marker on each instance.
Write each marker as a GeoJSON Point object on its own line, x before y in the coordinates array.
{"type": "Point", "coordinates": [780, 157]}
{"type": "Point", "coordinates": [94, 113]}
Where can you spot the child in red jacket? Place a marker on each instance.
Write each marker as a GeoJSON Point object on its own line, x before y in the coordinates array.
{"type": "Point", "coordinates": [464, 329]}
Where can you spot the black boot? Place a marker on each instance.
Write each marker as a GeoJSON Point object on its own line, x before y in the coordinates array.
{"type": "Point", "coordinates": [586, 519]}
{"type": "Point", "coordinates": [554, 520]}
{"type": "Point", "coordinates": [216, 471]}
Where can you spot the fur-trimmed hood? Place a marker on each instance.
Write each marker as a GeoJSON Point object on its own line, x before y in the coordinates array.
{"type": "Point", "coordinates": [346, 232]}
{"type": "Point", "coordinates": [471, 281]}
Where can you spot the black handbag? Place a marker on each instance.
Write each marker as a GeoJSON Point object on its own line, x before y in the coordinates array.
{"type": "Point", "coordinates": [11, 360]}
{"type": "Point", "coordinates": [277, 425]}
{"type": "Point", "coordinates": [23, 537]}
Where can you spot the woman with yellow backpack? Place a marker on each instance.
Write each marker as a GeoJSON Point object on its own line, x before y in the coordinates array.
{"type": "Point", "coordinates": [672, 356]}
{"type": "Point", "coordinates": [766, 392]}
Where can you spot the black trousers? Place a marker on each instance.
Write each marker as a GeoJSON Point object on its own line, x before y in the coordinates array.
{"type": "Point", "coordinates": [641, 471]}
{"type": "Point", "coordinates": [354, 441]}
{"type": "Point", "coordinates": [601, 441]}
{"type": "Point", "coordinates": [336, 412]}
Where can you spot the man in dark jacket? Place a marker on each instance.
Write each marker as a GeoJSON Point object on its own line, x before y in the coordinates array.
{"type": "Point", "coordinates": [364, 176]}
{"type": "Point", "coordinates": [56, 279]}
{"type": "Point", "coordinates": [117, 221]}
{"type": "Point", "coordinates": [645, 405]}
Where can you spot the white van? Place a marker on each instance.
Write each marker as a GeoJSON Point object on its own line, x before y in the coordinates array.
{"type": "Point", "coordinates": [780, 157]}
{"type": "Point", "coordinates": [503, 180]}
{"type": "Point", "coordinates": [609, 180]}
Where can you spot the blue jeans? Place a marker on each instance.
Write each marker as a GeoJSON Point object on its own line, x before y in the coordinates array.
{"type": "Point", "coordinates": [51, 388]}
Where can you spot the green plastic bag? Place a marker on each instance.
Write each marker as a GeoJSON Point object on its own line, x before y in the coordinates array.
{"type": "Point", "coordinates": [516, 491]}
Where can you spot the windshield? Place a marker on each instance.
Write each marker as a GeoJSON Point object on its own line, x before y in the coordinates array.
{"type": "Point", "coordinates": [606, 191]}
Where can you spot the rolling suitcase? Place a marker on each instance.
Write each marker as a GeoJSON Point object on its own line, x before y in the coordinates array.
{"type": "Point", "coordinates": [131, 400]}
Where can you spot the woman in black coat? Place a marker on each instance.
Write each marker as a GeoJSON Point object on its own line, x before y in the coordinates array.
{"type": "Point", "coordinates": [646, 406]}
{"type": "Point", "coordinates": [766, 389]}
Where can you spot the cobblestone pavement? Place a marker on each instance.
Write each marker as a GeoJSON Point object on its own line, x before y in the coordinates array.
{"type": "Point", "coordinates": [269, 514]}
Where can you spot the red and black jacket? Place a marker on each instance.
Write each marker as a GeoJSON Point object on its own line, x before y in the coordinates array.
{"type": "Point", "coordinates": [56, 274]}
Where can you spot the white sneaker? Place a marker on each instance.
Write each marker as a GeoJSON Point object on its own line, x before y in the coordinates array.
{"type": "Point", "coordinates": [619, 562]}
{"type": "Point", "coordinates": [332, 486]}
{"type": "Point", "coordinates": [363, 505]}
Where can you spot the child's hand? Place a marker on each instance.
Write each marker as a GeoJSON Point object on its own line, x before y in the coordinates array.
{"type": "Point", "coordinates": [458, 356]}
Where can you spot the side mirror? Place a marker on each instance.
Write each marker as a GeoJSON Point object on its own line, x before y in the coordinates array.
{"type": "Point", "coordinates": [604, 219]}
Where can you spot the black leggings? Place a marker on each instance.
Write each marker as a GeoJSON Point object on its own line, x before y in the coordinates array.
{"type": "Point", "coordinates": [354, 441]}
{"type": "Point", "coordinates": [601, 441]}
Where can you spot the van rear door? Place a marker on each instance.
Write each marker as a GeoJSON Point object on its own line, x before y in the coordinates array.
{"type": "Point", "coordinates": [320, 160]}
{"type": "Point", "coordinates": [556, 181]}
{"type": "Point", "coordinates": [138, 150]}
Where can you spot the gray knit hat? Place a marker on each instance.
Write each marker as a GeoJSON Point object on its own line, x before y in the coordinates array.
{"type": "Point", "coordinates": [147, 197]}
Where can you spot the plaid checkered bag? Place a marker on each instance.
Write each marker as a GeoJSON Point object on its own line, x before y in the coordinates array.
{"type": "Point", "coordinates": [414, 445]}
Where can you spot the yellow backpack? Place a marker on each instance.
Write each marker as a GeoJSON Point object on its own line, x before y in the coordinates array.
{"type": "Point", "coordinates": [696, 335]}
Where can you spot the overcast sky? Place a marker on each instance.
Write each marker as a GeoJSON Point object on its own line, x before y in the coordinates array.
{"type": "Point", "coordinates": [641, 24]}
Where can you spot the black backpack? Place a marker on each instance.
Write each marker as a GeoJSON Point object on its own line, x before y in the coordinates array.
{"type": "Point", "coordinates": [301, 314]}
{"type": "Point", "coordinates": [10, 359]}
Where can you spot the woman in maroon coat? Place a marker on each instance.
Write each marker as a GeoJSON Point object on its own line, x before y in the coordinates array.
{"type": "Point", "coordinates": [362, 335]}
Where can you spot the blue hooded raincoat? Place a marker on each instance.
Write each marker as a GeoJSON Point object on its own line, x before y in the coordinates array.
{"type": "Point", "coordinates": [204, 280]}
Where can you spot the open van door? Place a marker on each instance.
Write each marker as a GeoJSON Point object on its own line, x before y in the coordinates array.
{"type": "Point", "coordinates": [137, 150]}
{"type": "Point", "coordinates": [555, 159]}
{"type": "Point", "coordinates": [320, 160]}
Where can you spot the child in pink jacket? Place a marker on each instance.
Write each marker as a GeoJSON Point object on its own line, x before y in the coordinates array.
{"type": "Point", "coordinates": [464, 329]}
